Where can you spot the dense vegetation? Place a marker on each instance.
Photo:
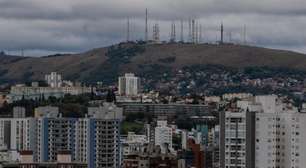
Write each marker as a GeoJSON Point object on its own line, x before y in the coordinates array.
{"type": "Point", "coordinates": [117, 55]}
{"type": "Point", "coordinates": [69, 106]}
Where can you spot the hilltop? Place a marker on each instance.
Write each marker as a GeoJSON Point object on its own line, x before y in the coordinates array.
{"type": "Point", "coordinates": [104, 64]}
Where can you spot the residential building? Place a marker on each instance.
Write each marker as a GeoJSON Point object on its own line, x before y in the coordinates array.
{"type": "Point", "coordinates": [63, 160]}
{"type": "Point", "coordinates": [163, 136]}
{"type": "Point", "coordinates": [20, 92]}
{"type": "Point", "coordinates": [151, 156]}
{"type": "Point", "coordinates": [133, 143]}
{"type": "Point", "coordinates": [54, 79]}
{"type": "Point", "coordinates": [263, 132]}
{"type": "Point", "coordinates": [170, 111]}
{"type": "Point", "coordinates": [94, 139]}
{"type": "Point", "coordinates": [98, 137]}
{"type": "Point", "coordinates": [129, 85]}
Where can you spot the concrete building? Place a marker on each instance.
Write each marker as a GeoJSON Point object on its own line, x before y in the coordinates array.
{"type": "Point", "coordinates": [129, 85]}
{"type": "Point", "coordinates": [18, 134]}
{"type": "Point", "coordinates": [64, 160]}
{"type": "Point", "coordinates": [170, 111]}
{"type": "Point", "coordinates": [133, 143]}
{"type": "Point", "coordinates": [94, 139]}
{"type": "Point", "coordinates": [20, 92]}
{"type": "Point", "coordinates": [53, 135]}
{"type": "Point", "coordinates": [19, 112]}
{"type": "Point", "coordinates": [151, 156]}
{"type": "Point", "coordinates": [54, 79]}
{"type": "Point", "coordinates": [231, 96]}
{"type": "Point", "coordinates": [262, 133]}
{"type": "Point", "coordinates": [163, 136]}
{"type": "Point", "coordinates": [98, 137]}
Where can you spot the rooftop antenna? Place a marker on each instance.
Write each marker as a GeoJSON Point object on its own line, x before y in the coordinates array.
{"type": "Point", "coordinates": [173, 33]}
{"type": "Point", "coordinates": [197, 32]}
{"type": "Point", "coordinates": [200, 34]}
{"type": "Point", "coordinates": [128, 30]}
{"type": "Point", "coordinates": [244, 35]}
{"type": "Point", "coordinates": [182, 30]}
{"type": "Point", "coordinates": [221, 41]}
{"type": "Point", "coordinates": [189, 30]}
{"type": "Point", "coordinates": [193, 30]}
{"type": "Point", "coordinates": [146, 29]}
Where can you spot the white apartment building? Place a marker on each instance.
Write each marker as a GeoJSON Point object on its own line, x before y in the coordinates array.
{"type": "Point", "coordinates": [163, 136]}
{"type": "Point", "coordinates": [54, 79]}
{"type": "Point", "coordinates": [263, 133]}
{"type": "Point", "coordinates": [129, 85]}
{"type": "Point", "coordinates": [18, 134]}
{"type": "Point", "coordinates": [20, 92]}
{"type": "Point", "coordinates": [133, 143]}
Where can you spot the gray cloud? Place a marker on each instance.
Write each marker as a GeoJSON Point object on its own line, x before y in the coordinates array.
{"type": "Point", "coordinates": [44, 26]}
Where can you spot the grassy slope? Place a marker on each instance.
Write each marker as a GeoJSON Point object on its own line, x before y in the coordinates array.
{"type": "Point", "coordinates": [82, 66]}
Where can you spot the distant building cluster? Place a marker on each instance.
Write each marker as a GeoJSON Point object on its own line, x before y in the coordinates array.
{"type": "Point", "coordinates": [129, 128]}
{"type": "Point", "coordinates": [56, 88]}
{"type": "Point", "coordinates": [93, 140]}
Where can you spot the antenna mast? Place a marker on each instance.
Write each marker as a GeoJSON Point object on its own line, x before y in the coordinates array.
{"type": "Point", "coordinates": [146, 29]}
{"type": "Point", "coordinates": [128, 30]}
{"type": "Point", "coordinates": [182, 30]}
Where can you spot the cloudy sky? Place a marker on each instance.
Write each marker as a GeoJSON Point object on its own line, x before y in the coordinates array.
{"type": "Point", "coordinates": [41, 27]}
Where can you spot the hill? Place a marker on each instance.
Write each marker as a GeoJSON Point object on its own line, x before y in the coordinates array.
{"type": "Point", "coordinates": [104, 64]}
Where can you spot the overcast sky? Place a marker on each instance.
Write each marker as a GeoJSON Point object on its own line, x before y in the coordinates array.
{"type": "Point", "coordinates": [43, 27]}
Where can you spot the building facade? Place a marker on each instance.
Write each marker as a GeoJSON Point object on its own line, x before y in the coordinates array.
{"type": "Point", "coordinates": [94, 139]}
{"type": "Point", "coordinates": [262, 133]}
{"type": "Point", "coordinates": [129, 85]}
{"type": "Point", "coordinates": [54, 79]}
{"type": "Point", "coordinates": [163, 136]}
{"type": "Point", "coordinates": [35, 92]}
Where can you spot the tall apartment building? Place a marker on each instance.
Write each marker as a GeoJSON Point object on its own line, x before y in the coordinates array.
{"type": "Point", "coordinates": [54, 135]}
{"type": "Point", "coordinates": [262, 133]}
{"type": "Point", "coordinates": [129, 85]}
{"type": "Point", "coordinates": [54, 79]}
{"type": "Point", "coordinates": [99, 137]}
{"type": "Point", "coordinates": [18, 134]}
{"type": "Point", "coordinates": [163, 136]}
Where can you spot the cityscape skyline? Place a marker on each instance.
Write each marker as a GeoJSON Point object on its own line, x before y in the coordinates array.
{"type": "Point", "coordinates": [152, 84]}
